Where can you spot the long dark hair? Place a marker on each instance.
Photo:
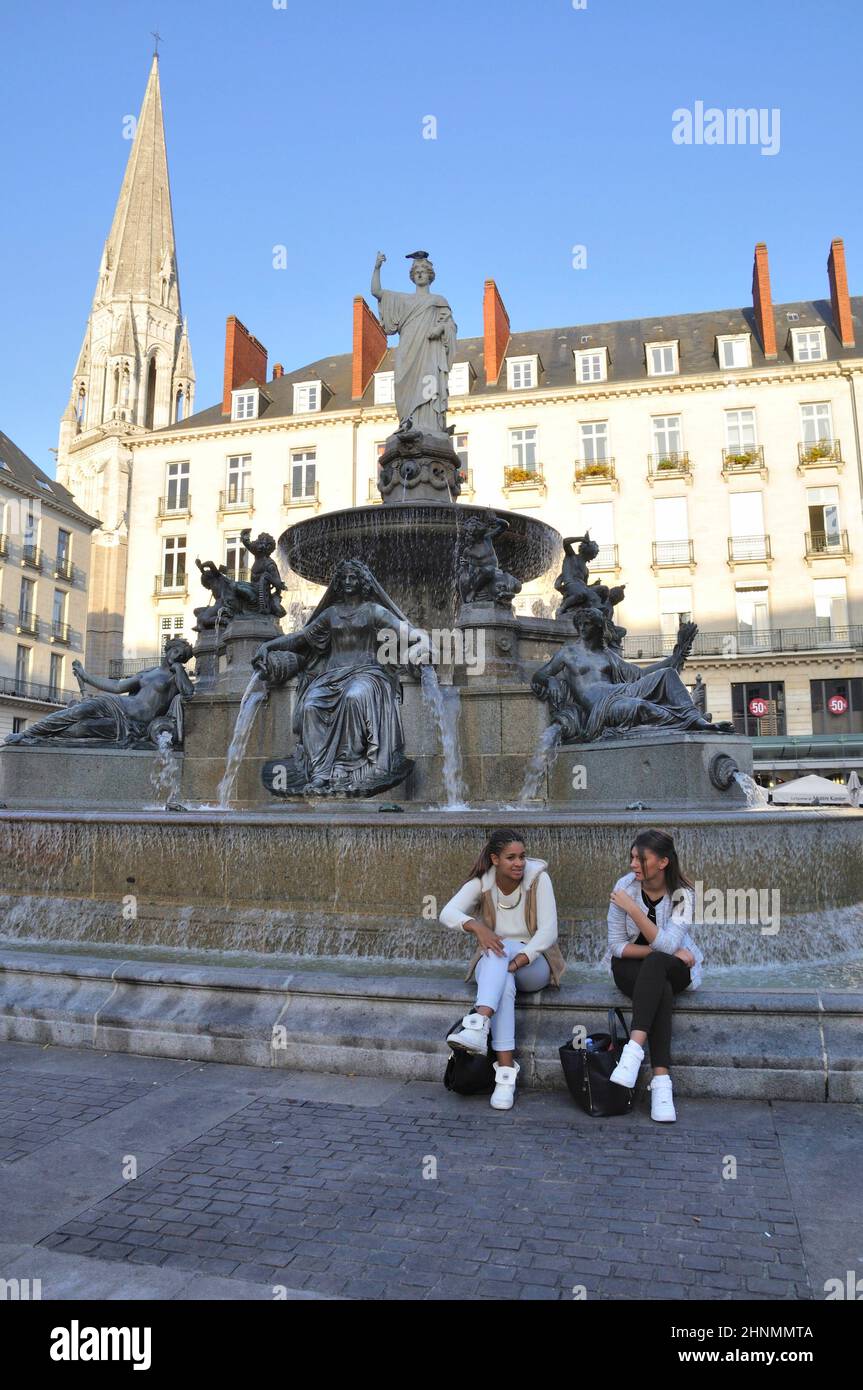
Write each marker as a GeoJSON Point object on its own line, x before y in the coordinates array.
{"type": "Point", "coordinates": [663, 846]}
{"type": "Point", "coordinates": [495, 844]}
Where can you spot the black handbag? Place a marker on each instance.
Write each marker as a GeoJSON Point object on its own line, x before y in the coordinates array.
{"type": "Point", "coordinates": [587, 1070]}
{"type": "Point", "coordinates": [470, 1073]}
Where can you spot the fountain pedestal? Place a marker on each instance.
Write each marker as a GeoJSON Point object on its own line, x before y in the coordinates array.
{"type": "Point", "coordinates": [208, 648]}
{"type": "Point", "coordinates": [661, 770]}
{"type": "Point", "coordinates": [242, 637]}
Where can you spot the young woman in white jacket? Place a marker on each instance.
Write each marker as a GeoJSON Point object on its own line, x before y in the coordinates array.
{"type": "Point", "coordinates": [652, 958]}
{"type": "Point", "coordinates": [508, 905]}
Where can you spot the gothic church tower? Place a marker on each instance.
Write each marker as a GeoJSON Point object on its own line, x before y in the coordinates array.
{"type": "Point", "coordinates": [134, 371]}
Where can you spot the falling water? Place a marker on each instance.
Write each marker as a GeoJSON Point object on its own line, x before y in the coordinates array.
{"type": "Point", "coordinates": [539, 764]}
{"type": "Point", "coordinates": [446, 712]}
{"type": "Point", "coordinates": [166, 774]}
{"type": "Point", "coordinates": [756, 797]}
{"type": "Point", "coordinates": [254, 693]}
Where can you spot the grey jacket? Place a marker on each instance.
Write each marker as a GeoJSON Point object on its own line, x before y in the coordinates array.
{"type": "Point", "coordinates": [672, 922]}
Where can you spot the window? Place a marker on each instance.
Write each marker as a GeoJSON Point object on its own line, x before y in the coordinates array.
{"type": "Point", "coordinates": [460, 446]}
{"type": "Point", "coordinates": [58, 612]}
{"type": "Point", "coordinates": [808, 344]}
{"type": "Point", "coordinates": [748, 541]}
{"type": "Point", "coordinates": [245, 405]}
{"type": "Point", "coordinates": [675, 607]}
{"type": "Point", "coordinates": [239, 475]}
{"type": "Point", "coordinates": [55, 676]}
{"type": "Point", "coordinates": [303, 468]}
{"type": "Point", "coordinates": [837, 705]}
{"type": "Point", "coordinates": [831, 605]}
{"type": "Point", "coordinates": [591, 366]}
{"type": "Point", "coordinates": [817, 421]}
{"type": "Point", "coordinates": [520, 373]}
{"type": "Point", "coordinates": [823, 506]}
{"type": "Point", "coordinates": [236, 557]}
{"type": "Point", "coordinates": [597, 519]}
{"type": "Point", "coordinates": [594, 441]}
{"type": "Point", "coordinates": [307, 396]}
{"type": "Point", "coordinates": [661, 359]}
{"type": "Point", "coordinates": [4, 465]}
{"type": "Point", "coordinates": [18, 724]}
{"type": "Point", "coordinates": [174, 562]}
{"type": "Point", "coordinates": [753, 616]}
{"type": "Point", "coordinates": [177, 487]}
{"type": "Point", "coordinates": [522, 449]}
{"type": "Point", "coordinates": [64, 548]}
{"type": "Point", "coordinates": [758, 708]}
{"type": "Point", "coordinates": [740, 430]}
{"type": "Point", "coordinates": [22, 668]}
{"type": "Point", "coordinates": [170, 625]}
{"type": "Point", "coordinates": [26, 601]}
{"type": "Point", "coordinates": [385, 389]}
{"type": "Point", "coordinates": [46, 487]}
{"type": "Point", "coordinates": [672, 521]}
{"type": "Point", "coordinates": [735, 352]}
{"type": "Point", "coordinates": [459, 379]}
{"type": "Point", "coordinates": [31, 524]}
{"type": "Point", "coordinates": [667, 436]}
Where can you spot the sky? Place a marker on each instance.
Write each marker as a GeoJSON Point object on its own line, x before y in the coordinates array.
{"type": "Point", "coordinates": [500, 135]}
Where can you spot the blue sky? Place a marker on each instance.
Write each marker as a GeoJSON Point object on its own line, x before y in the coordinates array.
{"type": "Point", "coordinates": [302, 126]}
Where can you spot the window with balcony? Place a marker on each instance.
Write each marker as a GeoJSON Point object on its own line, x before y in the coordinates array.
{"type": "Point", "coordinates": [459, 382]}
{"type": "Point", "coordinates": [303, 475]}
{"type": "Point", "coordinates": [307, 397]}
{"type": "Point", "coordinates": [238, 479]}
{"type": "Point", "coordinates": [668, 456]}
{"type": "Point", "coordinates": [22, 668]}
{"type": "Point", "coordinates": [55, 676]}
{"type": "Point", "coordinates": [236, 557]}
{"type": "Point", "coordinates": [385, 389]}
{"type": "Point", "coordinates": [590, 365]}
{"type": "Point", "coordinates": [672, 545]}
{"type": "Point", "coordinates": [662, 359]}
{"type": "Point", "coordinates": [244, 405]}
{"type": "Point", "coordinates": [808, 344]}
{"type": "Point", "coordinates": [63, 561]}
{"type": "Point", "coordinates": [58, 611]}
{"type": "Point", "coordinates": [173, 562]}
{"type": "Point", "coordinates": [27, 606]}
{"type": "Point", "coordinates": [825, 533]}
{"type": "Point", "coordinates": [734, 351]}
{"type": "Point", "coordinates": [177, 487]}
{"type": "Point", "coordinates": [594, 441]}
{"type": "Point", "coordinates": [597, 520]}
{"type": "Point", "coordinates": [522, 450]}
{"type": "Point", "coordinates": [753, 616]}
{"type": "Point", "coordinates": [818, 446]}
{"type": "Point", "coordinates": [675, 607]}
{"type": "Point", "coordinates": [521, 373]}
{"type": "Point", "coordinates": [747, 539]}
{"type": "Point", "coordinates": [831, 606]}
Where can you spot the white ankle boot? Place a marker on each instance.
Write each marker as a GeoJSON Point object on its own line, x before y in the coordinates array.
{"type": "Point", "coordinates": [627, 1069]}
{"type": "Point", "coordinates": [503, 1095]}
{"type": "Point", "coordinates": [472, 1036]}
{"type": "Point", "coordinates": [661, 1101]}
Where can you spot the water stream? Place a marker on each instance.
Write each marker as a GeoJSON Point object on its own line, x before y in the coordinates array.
{"type": "Point", "coordinates": [166, 774]}
{"type": "Point", "coordinates": [539, 764]}
{"type": "Point", "coordinates": [445, 706]}
{"type": "Point", "coordinates": [253, 696]}
{"type": "Point", "coordinates": [756, 797]}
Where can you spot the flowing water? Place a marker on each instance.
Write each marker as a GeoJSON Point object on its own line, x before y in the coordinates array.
{"type": "Point", "coordinates": [445, 706]}
{"type": "Point", "coordinates": [756, 797]}
{"type": "Point", "coordinates": [166, 774]}
{"type": "Point", "coordinates": [539, 764]}
{"type": "Point", "coordinates": [253, 696]}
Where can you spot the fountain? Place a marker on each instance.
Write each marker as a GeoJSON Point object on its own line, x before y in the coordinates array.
{"type": "Point", "coordinates": [328, 788]}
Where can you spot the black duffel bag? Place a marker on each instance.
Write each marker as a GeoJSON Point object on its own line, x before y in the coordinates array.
{"type": "Point", "coordinates": [587, 1070]}
{"type": "Point", "coordinates": [470, 1073]}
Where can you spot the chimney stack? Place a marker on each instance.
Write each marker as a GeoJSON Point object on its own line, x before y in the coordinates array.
{"type": "Point", "coordinates": [839, 297]}
{"type": "Point", "coordinates": [278, 370]}
{"type": "Point", "coordinates": [245, 359]}
{"type": "Point", "coordinates": [762, 303]}
{"type": "Point", "coordinates": [495, 328]}
{"type": "Point", "coordinates": [370, 345]}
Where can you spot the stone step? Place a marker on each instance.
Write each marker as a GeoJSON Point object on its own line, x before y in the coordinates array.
{"type": "Point", "coordinates": [766, 1044]}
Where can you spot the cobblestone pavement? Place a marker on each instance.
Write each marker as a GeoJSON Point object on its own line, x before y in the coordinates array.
{"type": "Point", "coordinates": [357, 1188]}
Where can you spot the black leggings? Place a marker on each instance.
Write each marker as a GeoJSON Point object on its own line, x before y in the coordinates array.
{"type": "Point", "coordinates": [651, 983]}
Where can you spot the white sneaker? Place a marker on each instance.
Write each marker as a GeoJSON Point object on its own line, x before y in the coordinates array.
{"type": "Point", "coordinates": [661, 1102]}
{"type": "Point", "coordinates": [472, 1036]}
{"type": "Point", "coordinates": [503, 1094]}
{"type": "Point", "coordinates": [627, 1069]}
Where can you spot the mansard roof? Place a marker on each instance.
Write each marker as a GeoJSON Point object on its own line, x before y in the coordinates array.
{"type": "Point", "coordinates": [24, 475]}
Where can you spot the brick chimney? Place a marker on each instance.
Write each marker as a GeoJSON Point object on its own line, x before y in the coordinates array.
{"type": "Point", "coordinates": [495, 330]}
{"type": "Point", "coordinates": [245, 359]}
{"type": "Point", "coordinates": [370, 345]}
{"type": "Point", "coordinates": [278, 370]}
{"type": "Point", "coordinates": [762, 303]}
{"type": "Point", "coordinates": [839, 297]}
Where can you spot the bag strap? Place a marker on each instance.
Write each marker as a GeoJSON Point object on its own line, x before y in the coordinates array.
{"type": "Point", "coordinates": [613, 1016]}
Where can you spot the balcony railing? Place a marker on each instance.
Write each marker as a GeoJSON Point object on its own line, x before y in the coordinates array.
{"type": "Point", "coordinates": [590, 471]}
{"type": "Point", "coordinates": [237, 499]}
{"type": "Point", "coordinates": [118, 667]}
{"type": "Point", "coordinates": [4, 546]}
{"type": "Point", "coordinates": [175, 588]}
{"type": "Point", "coordinates": [673, 553]}
{"type": "Point", "coordinates": [517, 479]}
{"type": "Point", "coordinates": [744, 642]}
{"type": "Point", "coordinates": [33, 690]}
{"type": "Point", "coordinates": [32, 556]}
{"type": "Point", "coordinates": [825, 543]}
{"type": "Point", "coordinates": [61, 632]}
{"type": "Point", "coordinates": [607, 559]}
{"type": "Point", "coordinates": [301, 499]}
{"type": "Point", "coordinates": [669, 465]}
{"type": "Point", "coordinates": [818, 453]}
{"type": "Point", "coordinates": [743, 550]}
{"type": "Point", "coordinates": [28, 623]}
{"type": "Point", "coordinates": [64, 569]}
{"type": "Point", "coordinates": [744, 458]}
{"type": "Point", "coordinates": [179, 507]}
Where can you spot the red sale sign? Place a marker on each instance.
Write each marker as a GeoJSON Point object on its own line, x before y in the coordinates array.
{"type": "Point", "coordinates": [757, 706]}
{"type": "Point", "coordinates": [837, 704]}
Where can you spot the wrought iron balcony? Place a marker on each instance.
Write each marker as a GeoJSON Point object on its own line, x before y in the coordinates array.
{"type": "Point", "coordinates": [594, 471]}
{"type": "Point", "coordinates": [61, 632]}
{"type": "Point", "coordinates": [170, 588]}
{"type": "Point", "coordinates": [4, 546]}
{"type": "Point", "coordinates": [32, 556]}
{"type": "Point", "coordinates": [28, 623]}
{"type": "Point", "coordinates": [607, 559]}
{"type": "Point", "coordinates": [517, 479]}
{"type": "Point", "coordinates": [824, 544]}
{"type": "Point", "coordinates": [669, 553]}
{"type": "Point", "coordinates": [64, 569]}
{"type": "Point", "coordinates": [237, 499]}
{"type": "Point", "coordinates": [33, 690]}
{"type": "Point", "coordinates": [181, 506]}
{"type": "Point", "coordinates": [301, 499]}
{"type": "Point", "coordinates": [744, 458]}
{"type": "Point", "coordinates": [669, 465]}
{"type": "Point", "coordinates": [744, 550]}
{"type": "Point", "coordinates": [747, 642]}
{"type": "Point", "coordinates": [818, 453]}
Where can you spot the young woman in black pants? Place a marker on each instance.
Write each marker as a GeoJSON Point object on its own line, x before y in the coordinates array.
{"type": "Point", "coordinates": [652, 957]}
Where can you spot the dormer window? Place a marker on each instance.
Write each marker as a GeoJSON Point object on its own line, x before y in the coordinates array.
{"type": "Point", "coordinates": [385, 389]}
{"type": "Point", "coordinates": [661, 359]}
{"type": "Point", "coordinates": [521, 373]}
{"type": "Point", "coordinates": [460, 379]}
{"type": "Point", "coordinates": [808, 344]}
{"type": "Point", "coordinates": [245, 405]}
{"type": "Point", "coordinates": [734, 350]}
{"type": "Point", "coordinates": [307, 397]}
{"type": "Point", "coordinates": [591, 365]}
{"type": "Point", "coordinates": [4, 465]}
{"type": "Point", "coordinates": [46, 487]}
